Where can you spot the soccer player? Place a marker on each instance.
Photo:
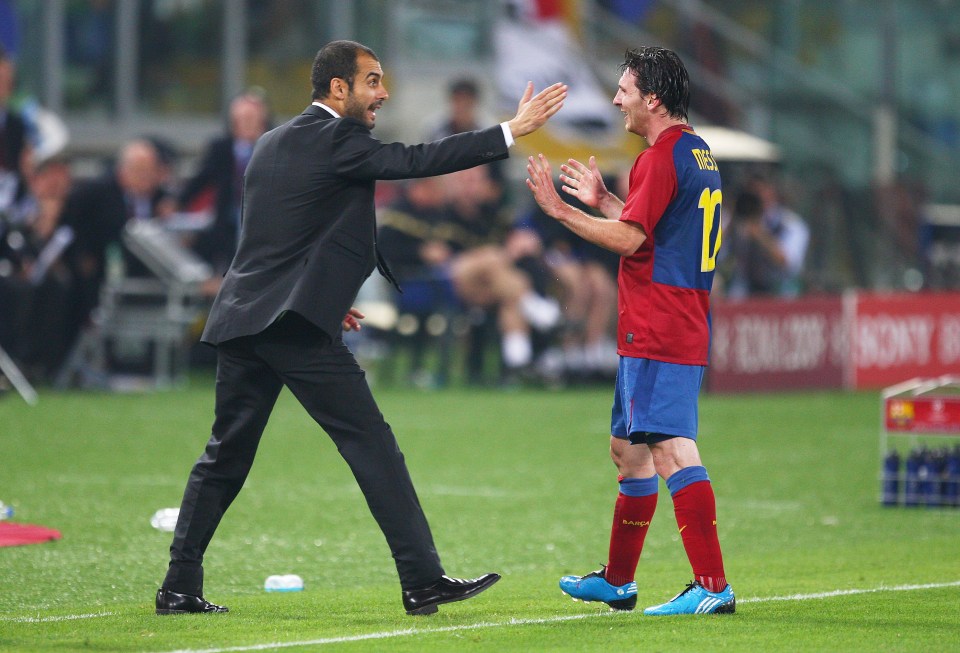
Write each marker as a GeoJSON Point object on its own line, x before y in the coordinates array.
{"type": "Point", "coordinates": [667, 233]}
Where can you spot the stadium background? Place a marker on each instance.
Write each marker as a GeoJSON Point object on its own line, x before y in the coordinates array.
{"type": "Point", "coordinates": [854, 105]}
{"type": "Point", "coordinates": [859, 97]}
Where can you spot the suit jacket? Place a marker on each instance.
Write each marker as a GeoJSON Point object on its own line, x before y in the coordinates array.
{"type": "Point", "coordinates": [308, 234]}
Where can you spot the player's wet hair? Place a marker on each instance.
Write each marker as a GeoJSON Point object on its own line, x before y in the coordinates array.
{"type": "Point", "coordinates": [659, 71]}
{"type": "Point", "coordinates": [337, 59]}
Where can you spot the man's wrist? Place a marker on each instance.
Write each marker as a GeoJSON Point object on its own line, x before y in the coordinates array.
{"type": "Point", "coordinates": [507, 134]}
{"type": "Point", "coordinates": [609, 204]}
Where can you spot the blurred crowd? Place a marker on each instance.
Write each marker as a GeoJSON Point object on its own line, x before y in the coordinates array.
{"type": "Point", "coordinates": [479, 264]}
{"type": "Point", "coordinates": [60, 237]}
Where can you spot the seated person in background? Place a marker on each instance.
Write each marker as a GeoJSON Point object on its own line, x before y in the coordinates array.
{"type": "Point", "coordinates": [404, 237]}
{"type": "Point", "coordinates": [476, 199]}
{"type": "Point", "coordinates": [221, 171]}
{"type": "Point", "coordinates": [586, 274]}
{"type": "Point", "coordinates": [38, 321]}
{"type": "Point", "coordinates": [98, 210]}
{"type": "Point", "coordinates": [423, 236]}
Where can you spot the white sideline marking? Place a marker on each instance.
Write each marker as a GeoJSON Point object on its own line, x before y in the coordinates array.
{"type": "Point", "coordinates": [68, 617]}
{"type": "Point", "coordinates": [547, 620]}
{"type": "Point", "coordinates": [826, 595]}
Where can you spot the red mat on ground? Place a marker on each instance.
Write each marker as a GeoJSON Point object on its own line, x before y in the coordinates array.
{"type": "Point", "coordinates": [12, 534]}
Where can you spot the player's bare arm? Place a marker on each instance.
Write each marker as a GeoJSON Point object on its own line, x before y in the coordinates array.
{"type": "Point", "coordinates": [534, 110]}
{"type": "Point", "coordinates": [586, 184]}
{"type": "Point", "coordinates": [623, 238]}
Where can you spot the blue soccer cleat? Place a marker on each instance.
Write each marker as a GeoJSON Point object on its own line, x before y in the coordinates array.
{"type": "Point", "coordinates": [697, 600]}
{"type": "Point", "coordinates": [594, 587]}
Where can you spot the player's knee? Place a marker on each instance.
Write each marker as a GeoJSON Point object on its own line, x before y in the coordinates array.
{"type": "Point", "coordinates": [616, 457]}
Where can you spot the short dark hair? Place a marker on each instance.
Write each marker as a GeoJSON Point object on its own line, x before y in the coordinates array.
{"type": "Point", "coordinates": [660, 71]}
{"type": "Point", "coordinates": [464, 86]}
{"type": "Point", "coordinates": [337, 59]}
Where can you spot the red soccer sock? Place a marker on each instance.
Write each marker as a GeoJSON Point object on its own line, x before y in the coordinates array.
{"type": "Point", "coordinates": [696, 511]}
{"type": "Point", "coordinates": [631, 521]}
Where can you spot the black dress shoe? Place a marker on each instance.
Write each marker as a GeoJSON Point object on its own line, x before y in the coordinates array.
{"type": "Point", "coordinates": [172, 603]}
{"type": "Point", "coordinates": [446, 590]}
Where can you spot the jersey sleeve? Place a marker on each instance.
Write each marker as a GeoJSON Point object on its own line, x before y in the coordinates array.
{"type": "Point", "coordinates": [653, 185]}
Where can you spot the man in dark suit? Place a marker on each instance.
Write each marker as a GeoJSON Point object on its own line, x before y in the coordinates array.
{"type": "Point", "coordinates": [307, 243]}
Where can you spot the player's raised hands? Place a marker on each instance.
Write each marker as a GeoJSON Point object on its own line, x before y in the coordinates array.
{"type": "Point", "coordinates": [540, 183]}
{"type": "Point", "coordinates": [583, 182]}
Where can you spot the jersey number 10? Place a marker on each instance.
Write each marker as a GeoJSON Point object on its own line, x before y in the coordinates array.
{"type": "Point", "coordinates": [710, 203]}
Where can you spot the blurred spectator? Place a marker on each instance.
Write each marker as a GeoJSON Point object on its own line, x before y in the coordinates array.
{"type": "Point", "coordinates": [443, 246]}
{"type": "Point", "coordinates": [588, 294]}
{"type": "Point", "coordinates": [98, 210]}
{"type": "Point", "coordinates": [221, 172]}
{"type": "Point", "coordinates": [768, 244]}
{"type": "Point", "coordinates": [407, 226]}
{"type": "Point", "coordinates": [38, 322]}
{"type": "Point", "coordinates": [463, 115]}
{"type": "Point", "coordinates": [463, 97]}
{"type": "Point", "coordinates": [14, 144]}
{"type": "Point", "coordinates": [168, 158]}
{"type": "Point", "coordinates": [406, 238]}
{"type": "Point", "coordinates": [902, 243]}
{"type": "Point", "coordinates": [488, 274]}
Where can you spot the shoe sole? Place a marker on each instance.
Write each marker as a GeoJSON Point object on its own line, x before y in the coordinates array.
{"type": "Point", "coordinates": [620, 605]}
{"type": "Point", "coordinates": [432, 608]}
{"type": "Point", "coordinates": [165, 611]}
{"type": "Point", "coordinates": [624, 605]}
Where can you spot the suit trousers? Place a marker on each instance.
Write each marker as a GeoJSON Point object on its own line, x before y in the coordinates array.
{"type": "Point", "coordinates": [328, 382]}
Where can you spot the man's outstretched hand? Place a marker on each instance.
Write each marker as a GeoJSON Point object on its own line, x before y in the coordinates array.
{"type": "Point", "coordinates": [535, 110]}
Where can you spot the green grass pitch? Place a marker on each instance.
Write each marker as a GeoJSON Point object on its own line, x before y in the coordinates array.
{"type": "Point", "coordinates": [514, 482]}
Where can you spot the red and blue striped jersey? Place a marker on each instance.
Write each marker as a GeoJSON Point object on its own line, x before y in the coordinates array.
{"type": "Point", "coordinates": [664, 287]}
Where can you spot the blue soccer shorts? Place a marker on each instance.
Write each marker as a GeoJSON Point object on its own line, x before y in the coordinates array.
{"type": "Point", "coordinates": [655, 401]}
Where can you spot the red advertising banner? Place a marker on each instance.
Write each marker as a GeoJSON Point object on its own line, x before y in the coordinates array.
{"type": "Point", "coordinates": [922, 414]}
{"type": "Point", "coordinates": [900, 336]}
{"type": "Point", "coordinates": [775, 344]}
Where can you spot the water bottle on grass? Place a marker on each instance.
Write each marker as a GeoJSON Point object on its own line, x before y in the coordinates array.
{"type": "Point", "coordinates": [283, 583]}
